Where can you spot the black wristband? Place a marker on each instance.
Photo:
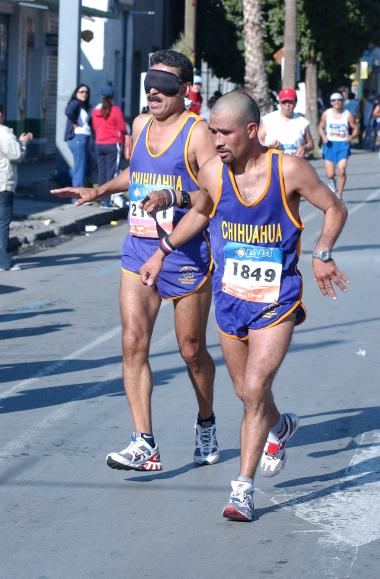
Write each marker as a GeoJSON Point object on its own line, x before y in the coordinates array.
{"type": "Point", "coordinates": [185, 200]}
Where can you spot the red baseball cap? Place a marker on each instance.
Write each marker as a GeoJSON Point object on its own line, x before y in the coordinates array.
{"type": "Point", "coordinates": [287, 94]}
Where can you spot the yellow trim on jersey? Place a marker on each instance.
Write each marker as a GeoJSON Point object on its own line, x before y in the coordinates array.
{"type": "Point", "coordinates": [261, 197]}
{"type": "Point", "coordinates": [283, 317]}
{"type": "Point", "coordinates": [138, 136]}
{"type": "Point", "coordinates": [219, 193]}
{"type": "Point", "coordinates": [129, 272]}
{"type": "Point", "coordinates": [296, 222]}
{"type": "Point", "coordinates": [191, 115]}
{"type": "Point", "coordinates": [186, 150]}
{"type": "Point", "coordinates": [204, 280]}
{"type": "Point", "coordinates": [207, 276]}
{"type": "Point", "coordinates": [232, 336]}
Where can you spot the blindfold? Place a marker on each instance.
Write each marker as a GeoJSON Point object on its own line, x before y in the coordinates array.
{"type": "Point", "coordinates": [166, 83]}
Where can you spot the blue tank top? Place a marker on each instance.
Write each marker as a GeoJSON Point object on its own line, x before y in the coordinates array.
{"type": "Point", "coordinates": [168, 169]}
{"type": "Point", "coordinates": [256, 246]}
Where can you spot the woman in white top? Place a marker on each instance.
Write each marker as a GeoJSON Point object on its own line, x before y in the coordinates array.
{"type": "Point", "coordinates": [78, 132]}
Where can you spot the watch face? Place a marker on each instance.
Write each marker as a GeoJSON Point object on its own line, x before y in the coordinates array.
{"type": "Point", "coordinates": [325, 255]}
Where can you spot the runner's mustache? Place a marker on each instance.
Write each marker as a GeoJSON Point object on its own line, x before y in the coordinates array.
{"type": "Point", "coordinates": [153, 97]}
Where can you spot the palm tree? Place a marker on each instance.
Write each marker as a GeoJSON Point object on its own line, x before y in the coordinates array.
{"type": "Point", "coordinates": [255, 80]}
{"type": "Point", "coordinates": [290, 44]}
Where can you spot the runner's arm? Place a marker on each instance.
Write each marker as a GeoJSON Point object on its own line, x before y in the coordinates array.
{"type": "Point", "coordinates": [321, 128]}
{"type": "Point", "coordinates": [192, 223]}
{"type": "Point", "coordinates": [308, 145]}
{"type": "Point", "coordinates": [117, 185]}
{"type": "Point", "coordinates": [301, 178]}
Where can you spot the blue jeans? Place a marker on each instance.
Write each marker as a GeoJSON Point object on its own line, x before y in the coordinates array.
{"type": "Point", "coordinates": [6, 206]}
{"type": "Point", "coordinates": [108, 161]}
{"type": "Point", "coordinates": [79, 147]}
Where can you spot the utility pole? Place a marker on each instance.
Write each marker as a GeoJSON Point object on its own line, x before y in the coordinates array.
{"type": "Point", "coordinates": [290, 44]}
{"type": "Point", "coordinates": [68, 71]}
{"type": "Point", "coordinates": [190, 26]}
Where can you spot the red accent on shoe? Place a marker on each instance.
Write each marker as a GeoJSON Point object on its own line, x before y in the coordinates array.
{"type": "Point", "coordinates": [153, 463]}
{"type": "Point", "coordinates": [272, 447]}
{"type": "Point", "coordinates": [233, 514]}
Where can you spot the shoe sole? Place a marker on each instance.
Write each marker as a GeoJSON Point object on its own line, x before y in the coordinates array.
{"type": "Point", "coordinates": [203, 462]}
{"type": "Point", "coordinates": [144, 467]}
{"type": "Point", "coordinates": [234, 515]}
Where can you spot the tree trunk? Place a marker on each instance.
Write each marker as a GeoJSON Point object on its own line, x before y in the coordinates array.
{"type": "Point", "coordinates": [311, 112]}
{"type": "Point", "coordinates": [255, 79]}
{"type": "Point", "coordinates": [190, 27]}
{"type": "Point", "coordinates": [290, 44]}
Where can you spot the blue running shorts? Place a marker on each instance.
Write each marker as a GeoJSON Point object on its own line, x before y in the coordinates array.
{"type": "Point", "coordinates": [235, 317]}
{"type": "Point", "coordinates": [184, 271]}
{"type": "Point", "coordinates": [335, 151]}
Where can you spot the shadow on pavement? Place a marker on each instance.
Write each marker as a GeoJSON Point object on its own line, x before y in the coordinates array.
{"type": "Point", "coordinates": [41, 260]}
{"type": "Point", "coordinates": [225, 455]}
{"type": "Point", "coordinates": [26, 332]}
{"type": "Point", "coordinates": [10, 289]}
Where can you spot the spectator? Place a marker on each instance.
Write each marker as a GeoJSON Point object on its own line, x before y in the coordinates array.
{"type": "Point", "coordinates": [109, 127]}
{"type": "Point", "coordinates": [78, 132]}
{"type": "Point", "coordinates": [365, 110]}
{"type": "Point", "coordinates": [195, 96]}
{"type": "Point", "coordinates": [352, 105]}
{"type": "Point", "coordinates": [375, 121]}
{"type": "Point", "coordinates": [11, 151]}
{"type": "Point", "coordinates": [211, 101]}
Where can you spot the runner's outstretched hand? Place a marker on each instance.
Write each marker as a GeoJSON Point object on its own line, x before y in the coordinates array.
{"type": "Point", "coordinates": [82, 194]}
{"type": "Point", "coordinates": [326, 274]}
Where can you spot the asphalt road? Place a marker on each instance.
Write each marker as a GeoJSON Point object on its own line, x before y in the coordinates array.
{"type": "Point", "coordinates": [66, 515]}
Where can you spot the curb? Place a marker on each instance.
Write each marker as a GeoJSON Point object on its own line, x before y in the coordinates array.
{"type": "Point", "coordinates": [32, 230]}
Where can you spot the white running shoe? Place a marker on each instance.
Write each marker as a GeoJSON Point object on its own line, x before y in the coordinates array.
{"type": "Point", "coordinates": [240, 507]}
{"type": "Point", "coordinates": [138, 455]}
{"type": "Point", "coordinates": [206, 445]}
{"type": "Point", "coordinates": [273, 459]}
{"type": "Point", "coordinates": [332, 185]}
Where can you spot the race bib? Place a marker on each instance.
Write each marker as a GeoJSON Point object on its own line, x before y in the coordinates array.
{"type": "Point", "coordinates": [252, 272]}
{"type": "Point", "coordinates": [140, 222]}
{"type": "Point", "coordinates": [338, 131]}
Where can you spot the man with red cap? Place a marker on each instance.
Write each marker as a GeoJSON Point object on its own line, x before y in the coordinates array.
{"type": "Point", "coordinates": [286, 130]}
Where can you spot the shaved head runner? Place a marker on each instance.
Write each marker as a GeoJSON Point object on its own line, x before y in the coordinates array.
{"type": "Point", "coordinates": [253, 194]}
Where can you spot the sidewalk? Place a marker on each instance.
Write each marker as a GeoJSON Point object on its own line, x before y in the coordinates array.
{"type": "Point", "coordinates": [37, 215]}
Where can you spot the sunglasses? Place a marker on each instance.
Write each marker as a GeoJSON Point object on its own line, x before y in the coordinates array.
{"type": "Point", "coordinates": [83, 91]}
{"type": "Point", "coordinates": [336, 100]}
{"type": "Point", "coordinates": [287, 102]}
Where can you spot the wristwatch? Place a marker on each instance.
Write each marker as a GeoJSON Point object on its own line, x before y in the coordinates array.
{"type": "Point", "coordinates": [323, 255]}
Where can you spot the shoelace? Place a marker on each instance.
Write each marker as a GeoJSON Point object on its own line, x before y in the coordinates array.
{"type": "Point", "coordinates": [206, 437]}
{"type": "Point", "coordinates": [133, 449]}
{"type": "Point", "coordinates": [242, 496]}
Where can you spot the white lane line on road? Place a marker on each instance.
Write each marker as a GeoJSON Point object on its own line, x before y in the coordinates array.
{"type": "Point", "coordinates": [349, 513]}
{"type": "Point", "coordinates": [361, 205]}
{"type": "Point", "coordinates": [50, 368]}
{"type": "Point", "coordinates": [313, 236]}
{"type": "Point", "coordinates": [17, 445]}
